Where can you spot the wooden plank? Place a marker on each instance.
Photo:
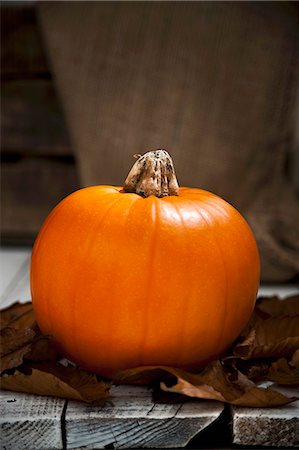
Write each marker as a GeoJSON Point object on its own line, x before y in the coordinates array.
{"type": "Point", "coordinates": [32, 119]}
{"type": "Point", "coordinates": [22, 52]}
{"type": "Point", "coordinates": [135, 421]}
{"type": "Point", "coordinates": [11, 261]}
{"type": "Point", "coordinates": [19, 288]}
{"type": "Point", "coordinates": [30, 422]}
{"type": "Point", "coordinates": [280, 290]}
{"type": "Point", "coordinates": [31, 187]}
{"type": "Point", "coordinates": [277, 427]}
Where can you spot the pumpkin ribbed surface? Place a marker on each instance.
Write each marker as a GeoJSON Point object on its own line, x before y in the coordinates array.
{"type": "Point", "coordinates": [121, 281]}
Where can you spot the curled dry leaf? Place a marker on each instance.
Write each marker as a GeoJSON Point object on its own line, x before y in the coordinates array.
{"type": "Point", "coordinates": [42, 349]}
{"type": "Point", "coordinates": [295, 359]}
{"type": "Point", "coordinates": [215, 382]}
{"type": "Point", "coordinates": [275, 307]}
{"type": "Point", "coordinates": [22, 342]}
{"type": "Point", "coordinates": [256, 318]}
{"type": "Point", "coordinates": [59, 381]}
{"type": "Point", "coordinates": [255, 369]}
{"type": "Point", "coordinates": [282, 372]}
{"type": "Point", "coordinates": [15, 345]}
{"type": "Point", "coordinates": [273, 337]}
{"type": "Point", "coordinates": [21, 338]}
{"type": "Point", "coordinates": [18, 316]}
{"type": "Point", "coordinates": [142, 375]}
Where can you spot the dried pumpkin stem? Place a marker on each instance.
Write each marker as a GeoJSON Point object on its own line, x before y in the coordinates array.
{"type": "Point", "coordinates": [153, 174]}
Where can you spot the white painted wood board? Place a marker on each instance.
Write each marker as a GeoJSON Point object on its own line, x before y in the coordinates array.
{"type": "Point", "coordinates": [14, 273]}
{"type": "Point", "coordinates": [276, 427]}
{"type": "Point", "coordinates": [135, 421]}
{"type": "Point", "coordinates": [281, 290]}
{"type": "Point", "coordinates": [30, 422]}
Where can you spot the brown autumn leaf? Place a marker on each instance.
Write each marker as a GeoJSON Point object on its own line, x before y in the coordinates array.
{"type": "Point", "coordinates": [275, 306]}
{"type": "Point", "coordinates": [274, 337]}
{"type": "Point", "coordinates": [42, 349]}
{"type": "Point", "coordinates": [18, 316]}
{"type": "Point", "coordinates": [21, 339]}
{"type": "Point", "coordinates": [271, 307]}
{"type": "Point", "coordinates": [281, 372]}
{"type": "Point", "coordinates": [233, 388]}
{"type": "Point", "coordinates": [225, 380]}
{"type": "Point", "coordinates": [294, 362]}
{"type": "Point", "coordinates": [15, 345]}
{"type": "Point", "coordinates": [255, 369]}
{"type": "Point", "coordinates": [142, 375]}
{"type": "Point", "coordinates": [58, 381]}
{"type": "Point", "coordinates": [24, 344]}
{"type": "Point", "coordinates": [215, 382]}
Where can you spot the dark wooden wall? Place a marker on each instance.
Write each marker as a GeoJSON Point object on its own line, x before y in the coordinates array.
{"type": "Point", "coordinates": [38, 167]}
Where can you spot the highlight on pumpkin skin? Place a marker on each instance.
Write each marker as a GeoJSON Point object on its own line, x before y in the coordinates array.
{"type": "Point", "coordinates": [152, 174]}
{"type": "Point", "coordinates": [122, 281]}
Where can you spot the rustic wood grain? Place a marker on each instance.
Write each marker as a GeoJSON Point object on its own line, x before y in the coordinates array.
{"type": "Point", "coordinates": [135, 421]}
{"type": "Point", "coordinates": [31, 187]}
{"type": "Point", "coordinates": [32, 119]}
{"type": "Point", "coordinates": [22, 52]}
{"type": "Point", "coordinates": [30, 422]}
{"type": "Point", "coordinates": [276, 427]}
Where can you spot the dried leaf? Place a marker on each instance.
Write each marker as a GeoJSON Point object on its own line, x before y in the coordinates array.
{"type": "Point", "coordinates": [18, 316]}
{"type": "Point", "coordinates": [274, 337]}
{"type": "Point", "coordinates": [21, 338]}
{"type": "Point", "coordinates": [142, 375]}
{"type": "Point", "coordinates": [275, 306]}
{"type": "Point", "coordinates": [15, 345]}
{"type": "Point", "coordinates": [59, 381]}
{"type": "Point", "coordinates": [42, 349]}
{"type": "Point", "coordinates": [268, 334]}
{"type": "Point", "coordinates": [282, 372]}
{"type": "Point", "coordinates": [295, 359]}
{"type": "Point", "coordinates": [216, 382]}
{"type": "Point", "coordinates": [256, 318]}
{"type": "Point", "coordinates": [255, 369]}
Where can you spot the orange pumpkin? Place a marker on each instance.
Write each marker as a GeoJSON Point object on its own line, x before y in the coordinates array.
{"type": "Point", "coordinates": [122, 280]}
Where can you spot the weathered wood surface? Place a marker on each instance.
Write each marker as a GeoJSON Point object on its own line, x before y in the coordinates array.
{"type": "Point", "coordinates": [276, 427]}
{"type": "Point", "coordinates": [32, 119]}
{"type": "Point", "coordinates": [22, 51]}
{"type": "Point", "coordinates": [280, 290]}
{"type": "Point", "coordinates": [31, 187]}
{"type": "Point", "coordinates": [30, 422]}
{"type": "Point", "coordinates": [135, 421]}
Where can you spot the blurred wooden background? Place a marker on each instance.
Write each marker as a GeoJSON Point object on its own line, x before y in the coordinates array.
{"type": "Point", "coordinates": [38, 167]}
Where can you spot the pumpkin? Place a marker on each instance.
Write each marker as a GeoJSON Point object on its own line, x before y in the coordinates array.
{"type": "Point", "coordinates": [145, 274]}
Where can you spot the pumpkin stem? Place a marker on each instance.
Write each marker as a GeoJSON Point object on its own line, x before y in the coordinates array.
{"type": "Point", "coordinates": [152, 174]}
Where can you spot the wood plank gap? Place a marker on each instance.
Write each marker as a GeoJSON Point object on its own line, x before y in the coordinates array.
{"type": "Point", "coordinates": [63, 426]}
{"type": "Point", "coordinates": [218, 434]}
